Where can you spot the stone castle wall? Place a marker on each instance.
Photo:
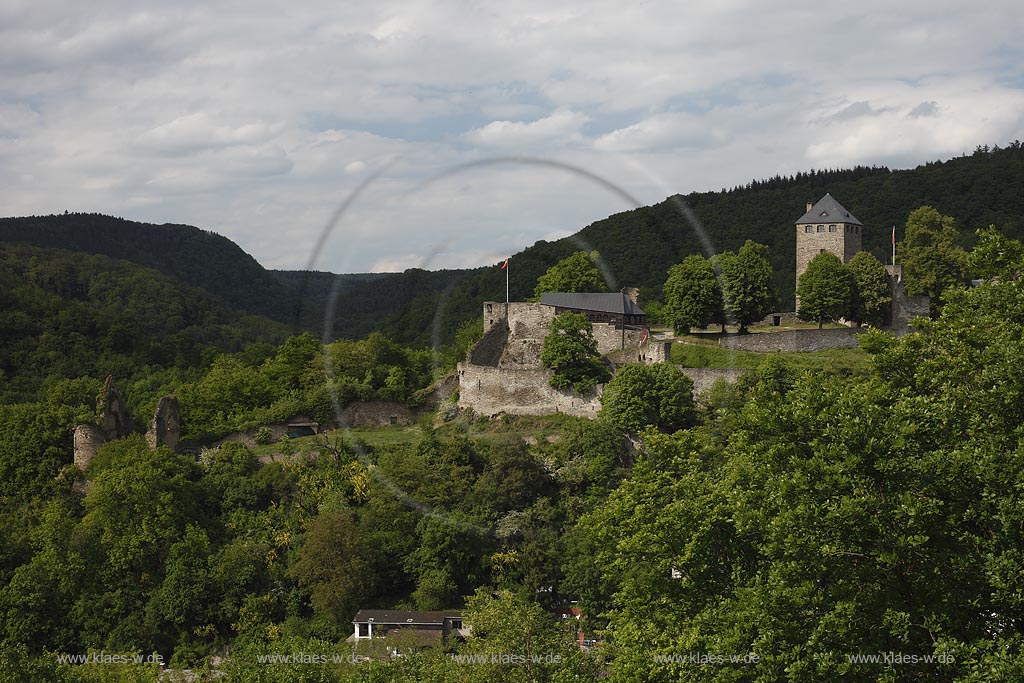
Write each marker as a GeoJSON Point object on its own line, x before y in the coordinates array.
{"type": "Point", "coordinates": [377, 414]}
{"type": "Point", "coordinates": [646, 354]}
{"type": "Point", "coordinates": [610, 339]}
{"type": "Point", "coordinates": [165, 427]}
{"type": "Point", "coordinates": [520, 391]}
{"type": "Point", "coordinates": [793, 340]}
{"type": "Point", "coordinates": [528, 324]}
{"type": "Point", "coordinates": [904, 307]}
{"type": "Point", "coordinates": [488, 350]}
{"type": "Point", "coordinates": [87, 441]}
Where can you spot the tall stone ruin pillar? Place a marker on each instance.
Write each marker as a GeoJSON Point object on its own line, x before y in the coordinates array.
{"type": "Point", "coordinates": [165, 429]}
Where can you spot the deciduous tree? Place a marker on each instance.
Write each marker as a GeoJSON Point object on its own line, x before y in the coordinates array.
{"type": "Point", "coordinates": [746, 283]}
{"type": "Point", "coordinates": [640, 396]}
{"type": "Point", "coordinates": [576, 273]}
{"type": "Point", "coordinates": [693, 296]}
{"type": "Point", "coordinates": [931, 256]}
{"type": "Point", "coordinates": [872, 297]}
{"type": "Point", "coordinates": [825, 290]}
{"type": "Point", "coordinates": [570, 350]}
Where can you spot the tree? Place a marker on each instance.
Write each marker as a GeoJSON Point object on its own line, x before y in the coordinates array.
{"type": "Point", "coordinates": [571, 351]}
{"type": "Point", "coordinates": [517, 640]}
{"type": "Point", "coordinates": [801, 535]}
{"type": "Point", "coordinates": [996, 256]}
{"type": "Point", "coordinates": [746, 283]}
{"type": "Point", "coordinates": [331, 566]}
{"type": "Point", "coordinates": [871, 294]}
{"type": "Point", "coordinates": [656, 395]}
{"type": "Point", "coordinates": [576, 273]}
{"type": "Point", "coordinates": [825, 289]}
{"type": "Point", "coordinates": [693, 297]}
{"type": "Point", "coordinates": [931, 256]}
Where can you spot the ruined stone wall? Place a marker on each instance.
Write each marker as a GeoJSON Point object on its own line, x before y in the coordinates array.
{"type": "Point", "coordinates": [646, 354]}
{"type": "Point", "coordinates": [793, 340]}
{"type": "Point", "coordinates": [488, 350]}
{"type": "Point", "coordinates": [87, 441]}
{"type": "Point", "coordinates": [165, 428]}
{"type": "Point", "coordinates": [520, 391]}
{"type": "Point", "coordinates": [528, 324]}
{"type": "Point", "coordinates": [610, 339]}
{"type": "Point", "coordinates": [377, 414]}
{"type": "Point", "coordinates": [113, 413]}
{"type": "Point", "coordinates": [705, 378]}
{"type": "Point", "coordinates": [904, 308]}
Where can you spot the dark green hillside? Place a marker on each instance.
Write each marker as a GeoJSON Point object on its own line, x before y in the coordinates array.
{"type": "Point", "coordinates": [65, 315]}
{"type": "Point", "coordinates": [197, 257]}
{"type": "Point", "coordinates": [402, 305]}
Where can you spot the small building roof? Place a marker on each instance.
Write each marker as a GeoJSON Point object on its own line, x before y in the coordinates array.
{"type": "Point", "coordinates": [410, 617]}
{"type": "Point", "coordinates": [604, 302]}
{"type": "Point", "coordinates": [828, 210]}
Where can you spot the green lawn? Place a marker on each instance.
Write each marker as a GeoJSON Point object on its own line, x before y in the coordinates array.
{"type": "Point", "coordinates": [483, 429]}
{"type": "Point", "coordinates": [703, 355]}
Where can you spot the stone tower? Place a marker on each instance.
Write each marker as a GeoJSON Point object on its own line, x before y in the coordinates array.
{"type": "Point", "coordinates": [826, 226]}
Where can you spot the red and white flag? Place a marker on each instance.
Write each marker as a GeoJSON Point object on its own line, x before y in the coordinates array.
{"type": "Point", "coordinates": [504, 265]}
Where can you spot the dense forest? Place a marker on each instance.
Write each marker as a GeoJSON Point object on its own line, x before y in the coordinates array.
{"type": "Point", "coordinates": [794, 520]}
{"type": "Point", "coordinates": [424, 308]}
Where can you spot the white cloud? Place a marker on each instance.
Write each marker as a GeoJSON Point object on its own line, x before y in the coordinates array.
{"type": "Point", "coordinates": [562, 126]}
{"type": "Point", "coordinates": [666, 131]}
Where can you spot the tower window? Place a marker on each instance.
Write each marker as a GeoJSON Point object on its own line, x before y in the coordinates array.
{"type": "Point", "coordinates": [821, 228]}
{"type": "Point", "coordinates": [831, 228]}
{"type": "Point", "coordinates": [807, 228]}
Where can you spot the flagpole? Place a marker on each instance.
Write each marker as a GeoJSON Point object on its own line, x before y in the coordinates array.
{"type": "Point", "coordinates": [894, 245]}
{"type": "Point", "coordinates": [506, 292]}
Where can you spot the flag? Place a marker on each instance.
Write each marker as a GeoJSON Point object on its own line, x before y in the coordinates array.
{"type": "Point", "coordinates": [504, 265]}
{"type": "Point", "coordinates": [894, 234]}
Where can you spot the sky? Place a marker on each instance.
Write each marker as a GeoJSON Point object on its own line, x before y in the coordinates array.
{"type": "Point", "coordinates": [452, 134]}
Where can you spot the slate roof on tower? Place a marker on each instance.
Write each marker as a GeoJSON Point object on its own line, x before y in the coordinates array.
{"type": "Point", "coordinates": [828, 210]}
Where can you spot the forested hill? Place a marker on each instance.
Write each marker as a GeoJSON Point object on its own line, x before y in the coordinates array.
{"type": "Point", "coordinates": [196, 257]}
{"type": "Point", "coordinates": [218, 266]}
{"type": "Point", "coordinates": [638, 246]}
{"type": "Point", "coordinates": [64, 315]}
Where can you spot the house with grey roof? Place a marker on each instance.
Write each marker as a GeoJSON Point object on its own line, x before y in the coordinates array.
{"type": "Point", "coordinates": [613, 308]}
{"type": "Point", "coordinates": [420, 628]}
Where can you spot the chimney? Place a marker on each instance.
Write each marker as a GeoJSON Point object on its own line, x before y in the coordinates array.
{"type": "Point", "coordinates": [632, 292]}
{"type": "Point", "coordinates": [810, 205]}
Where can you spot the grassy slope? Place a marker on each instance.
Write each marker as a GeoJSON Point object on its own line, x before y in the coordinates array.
{"type": "Point", "coordinates": [704, 356]}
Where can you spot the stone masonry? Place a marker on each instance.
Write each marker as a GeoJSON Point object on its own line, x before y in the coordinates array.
{"type": "Point", "coordinates": [113, 413]}
{"type": "Point", "coordinates": [165, 428]}
{"type": "Point", "coordinates": [87, 442]}
{"type": "Point", "coordinates": [826, 226]}
{"type": "Point", "coordinates": [504, 374]}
